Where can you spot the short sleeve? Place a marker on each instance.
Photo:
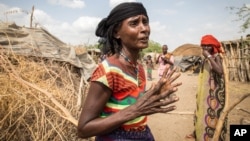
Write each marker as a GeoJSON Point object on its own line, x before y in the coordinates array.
{"type": "Point", "coordinates": [102, 74]}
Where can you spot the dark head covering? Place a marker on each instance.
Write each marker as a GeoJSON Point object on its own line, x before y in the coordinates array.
{"type": "Point", "coordinates": [105, 28]}
{"type": "Point", "coordinates": [118, 14]}
{"type": "Point", "coordinates": [211, 40]}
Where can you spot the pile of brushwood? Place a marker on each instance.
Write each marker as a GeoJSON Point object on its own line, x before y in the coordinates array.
{"type": "Point", "coordinates": [40, 99]}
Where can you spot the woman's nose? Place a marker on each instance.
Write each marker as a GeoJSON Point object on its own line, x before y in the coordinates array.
{"type": "Point", "coordinates": [144, 27]}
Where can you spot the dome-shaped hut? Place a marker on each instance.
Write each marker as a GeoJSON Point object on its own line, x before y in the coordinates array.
{"type": "Point", "coordinates": [188, 50]}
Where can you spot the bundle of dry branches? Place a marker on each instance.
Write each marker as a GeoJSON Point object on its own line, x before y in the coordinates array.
{"type": "Point", "coordinates": [38, 99]}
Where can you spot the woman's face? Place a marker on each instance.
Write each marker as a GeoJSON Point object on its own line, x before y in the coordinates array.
{"type": "Point", "coordinates": [208, 48]}
{"type": "Point", "coordinates": [134, 32]}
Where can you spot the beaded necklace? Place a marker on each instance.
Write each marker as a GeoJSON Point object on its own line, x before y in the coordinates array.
{"type": "Point", "coordinates": [130, 62]}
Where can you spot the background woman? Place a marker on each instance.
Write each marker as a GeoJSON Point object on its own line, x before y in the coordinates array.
{"type": "Point", "coordinates": [165, 61]}
{"type": "Point", "coordinates": [211, 91]}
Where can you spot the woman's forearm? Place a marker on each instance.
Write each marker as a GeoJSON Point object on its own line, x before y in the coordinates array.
{"type": "Point", "coordinates": [105, 125]}
{"type": "Point", "coordinates": [216, 65]}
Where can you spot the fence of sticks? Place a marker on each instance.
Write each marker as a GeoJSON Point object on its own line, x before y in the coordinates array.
{"type": "Point", "coordinates": [238, 59]}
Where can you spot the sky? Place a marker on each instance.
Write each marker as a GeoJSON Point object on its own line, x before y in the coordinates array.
{"type": "Point", "coordinates": [172, 22]}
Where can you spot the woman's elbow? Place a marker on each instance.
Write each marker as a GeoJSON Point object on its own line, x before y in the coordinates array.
{"type": "Point", "coordinates": [81, 133]}
{"type": "Point", "coordinates": [220, 72]}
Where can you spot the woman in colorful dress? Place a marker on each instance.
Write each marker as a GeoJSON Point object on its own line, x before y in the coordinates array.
{"type": "Point", "coordinates": [165, 61]}
{"type": "Point", "coordinates": [117, 105]}
{"type": "Point", "coordinates": [211, 91]}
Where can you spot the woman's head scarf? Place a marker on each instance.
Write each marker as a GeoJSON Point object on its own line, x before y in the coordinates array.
{"type": "Point", "coordinates": [211, 40]}
{"type": "Point", "coordinates": [118, 14]}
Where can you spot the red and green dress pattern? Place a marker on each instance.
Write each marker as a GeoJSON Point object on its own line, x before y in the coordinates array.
{"type": "Point", "coordinates": [126, 89]}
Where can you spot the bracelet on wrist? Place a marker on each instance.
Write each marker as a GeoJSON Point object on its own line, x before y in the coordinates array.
{"type": "Point", "coordinates": [209, 56]}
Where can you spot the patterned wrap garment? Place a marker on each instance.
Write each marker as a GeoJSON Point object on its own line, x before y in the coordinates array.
{"type": "Point", "coordinates": [210, 103]}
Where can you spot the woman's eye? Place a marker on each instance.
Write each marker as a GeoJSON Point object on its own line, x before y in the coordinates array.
{"type": "Point", "coordinates": [145, 22]}
{"type": "Point", "coordinates": [133, 23]}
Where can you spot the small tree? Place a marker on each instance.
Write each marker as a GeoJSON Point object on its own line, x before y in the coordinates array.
{"type": "Point", "coordinates": [152, 47]}
{"type": "Point", "coordinates": [243, 14]}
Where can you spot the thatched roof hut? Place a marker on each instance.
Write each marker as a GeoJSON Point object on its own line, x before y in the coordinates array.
{"type": "Point", "coordinates": [39, 42]}
{"type": "Point", "coordinates": [43, 83]}
{"type": "Point", "coordinates": [187, 50]}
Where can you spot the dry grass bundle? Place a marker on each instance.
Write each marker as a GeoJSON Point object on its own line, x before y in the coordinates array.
{"type": "Point", "coordinates": [38, 99]}
{"type": "Point", "coordinates": [188, 50]}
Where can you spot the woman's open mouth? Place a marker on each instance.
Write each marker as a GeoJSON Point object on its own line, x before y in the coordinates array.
{"type": "Point", "coordinates": [144, 40]}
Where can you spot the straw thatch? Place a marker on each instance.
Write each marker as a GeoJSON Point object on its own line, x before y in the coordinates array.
{"type": "Point", "coordinates": [187, 50]}
{"type": "Point", "coordinates": [43, 84]}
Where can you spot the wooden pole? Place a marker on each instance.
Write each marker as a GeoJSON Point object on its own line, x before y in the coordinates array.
{"type": "Point", "coordinates": [31, 16]}
{"type": "Point", "coordinates": [226, 108]}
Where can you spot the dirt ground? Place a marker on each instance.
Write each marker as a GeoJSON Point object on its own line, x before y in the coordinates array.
{"type": "Point", "coordinates": [174, 126]}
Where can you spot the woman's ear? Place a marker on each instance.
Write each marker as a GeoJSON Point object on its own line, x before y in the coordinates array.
{"type": "Point", "coordinates": [116, 32]}
{"type": "Point", "coordinates": [117, 36]}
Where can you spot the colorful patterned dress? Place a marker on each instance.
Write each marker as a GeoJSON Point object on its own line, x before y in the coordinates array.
{"type": "Point", "coordinates": [210, 103]}
{"type": "Point", "coordinates": [126, 90]}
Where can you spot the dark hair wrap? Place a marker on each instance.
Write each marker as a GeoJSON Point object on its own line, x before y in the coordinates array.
{"type": "Point", "coordinates": [106, 26]}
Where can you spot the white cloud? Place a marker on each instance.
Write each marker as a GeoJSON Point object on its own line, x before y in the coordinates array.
{"type": "Point", "coordinates": [43, 18]}
{"type": "Point", "coordinates": [86, 23]}
{"type": "Point", "coordinates": [68, 3]}
{"type": "Point", "coordinates": [72, 33]}
{"type": "Point", "coordinates": [157, 27]}
{"type": "Point", "coordinates": [163, 34]}
{"type": "Point", "coordinates": [3, 7]}
{"type": "Point", "coordinates": [22, 17]}
{"type": "Point", "coordinates": [113, 3]}
{"type": "Point", "coordinates": [14, 14]}
{"type": "Point", "coordinates": [81, 31]}
{"type": "Point", "coordinates": [159, 32]}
